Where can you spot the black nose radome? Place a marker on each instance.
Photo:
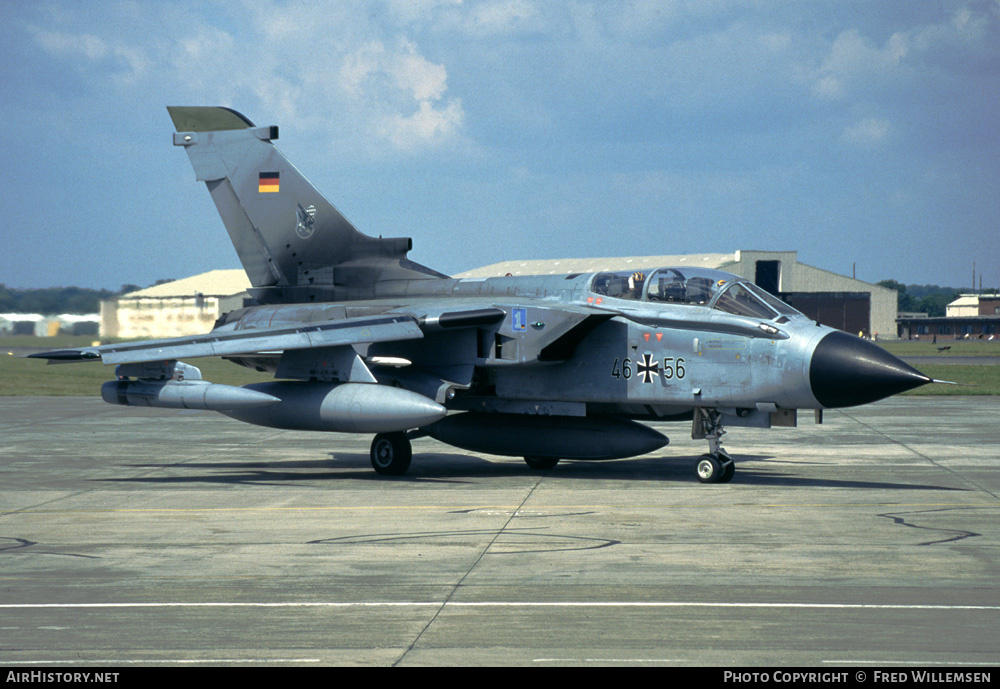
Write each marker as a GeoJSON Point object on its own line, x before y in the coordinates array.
{"type": "Point", "coordinates": [846, 371]}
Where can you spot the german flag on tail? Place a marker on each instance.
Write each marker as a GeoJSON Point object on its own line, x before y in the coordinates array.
{"type": "Point", "coordinates": [269, 182]}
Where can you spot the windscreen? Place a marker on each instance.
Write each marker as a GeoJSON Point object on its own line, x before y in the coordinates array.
{"type": "Point", "coordinates": [739, 300]}
{"type": "Point", "coordinates": [772, 301]}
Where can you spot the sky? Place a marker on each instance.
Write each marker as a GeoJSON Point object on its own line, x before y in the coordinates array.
{"type": "Point", "coordinates": [864, 135]}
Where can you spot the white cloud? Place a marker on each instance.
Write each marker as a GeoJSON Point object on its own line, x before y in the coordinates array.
{"type": "Point", "coordinates": [966, 28]}
{"type": "Point", "coordinates": [425, 127]}
{"type": "Point", "coordinates": [414, 73]}
{"type": "Point", "coordinates": [206, 43]}
{"type": "Point", "coordinates": [86, 46]}
{"type": "Point", "coordinates": [869, 131]}
{"type": "Point", "coordinates": [331, 67]}
{"type": "Point", "coordinates": [399, 90]}
{"type": "Point", "coordinates": [87, 50]}
{"type": "Point", "coordinates": [335, 69]}
{"type": "Point", "coordinates": [358, 65]}
{"type": "Point", "coordinates": [501, 17]}
{"type": "Point", "coordinates": [856, 60]}
{"type": "Point", "coordinates": [856, 63]}
{"type": "Point", "coordinates": [829, 87]}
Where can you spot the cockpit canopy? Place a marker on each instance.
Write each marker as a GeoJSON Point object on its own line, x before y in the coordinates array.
{"type": "Point", "coordinates": [692, 287]}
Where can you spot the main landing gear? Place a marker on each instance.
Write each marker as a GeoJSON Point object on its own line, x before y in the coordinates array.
{"type": "Point", "coordinates": [391, 453]}
{"type": "Point", "coordinates": [716, 466]}
{"type": "Point", "coordinates": [541, 463]}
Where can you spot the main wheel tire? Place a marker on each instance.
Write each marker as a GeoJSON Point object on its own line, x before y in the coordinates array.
{"type": "Point", "coordinates": [391, 453]}
{"type": "Point", "coordinates": [541, 463]}
{"type": "Point", "coordinates": [709, 469]}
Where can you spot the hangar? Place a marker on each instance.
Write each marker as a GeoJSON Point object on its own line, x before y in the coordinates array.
{"type": "Point", "coordinates": [182, 307]}
{"type": "Point", "coordinates": [832, 299]}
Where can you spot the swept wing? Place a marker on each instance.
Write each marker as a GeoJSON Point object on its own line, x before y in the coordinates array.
{"type": "Point", "coordinates": [342, 332]}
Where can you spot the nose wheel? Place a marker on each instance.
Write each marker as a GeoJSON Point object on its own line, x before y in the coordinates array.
{"type": "Point", "coordinates": [716, 466]}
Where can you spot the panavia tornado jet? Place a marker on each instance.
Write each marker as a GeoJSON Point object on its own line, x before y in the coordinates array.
{"type": "Point", "coordinates": [363, 340]}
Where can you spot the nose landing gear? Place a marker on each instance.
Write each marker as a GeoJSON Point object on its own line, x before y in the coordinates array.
{"type": "Point", "coordinates": [716, 466]}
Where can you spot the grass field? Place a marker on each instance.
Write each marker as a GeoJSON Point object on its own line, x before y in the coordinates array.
{"type": "Point", "coordinates": [977, 379]}
{"type": "Point", "coordinates": [8, 342]}
{"type": "Point", "coordinates": [961, 348]}
{"type": "Point", "coordinates": [30, 377]}
{"type": "Point", "coordinates": [24, 377]}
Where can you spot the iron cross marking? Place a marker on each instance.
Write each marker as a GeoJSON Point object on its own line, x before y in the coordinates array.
{"type": "Point", "coordinates": [647, 368]}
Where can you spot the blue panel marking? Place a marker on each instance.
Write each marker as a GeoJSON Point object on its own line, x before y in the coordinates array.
{"type": "Point", "coordinates": [519, 320]}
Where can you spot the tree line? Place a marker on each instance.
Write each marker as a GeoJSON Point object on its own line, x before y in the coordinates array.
{"type": "Point", "coordinates": [52, 301]}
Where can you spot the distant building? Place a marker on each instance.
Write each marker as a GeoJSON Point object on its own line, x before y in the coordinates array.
{"type": "Point", "coordinates": [19, 323]}
{"type": "Point", "coordinates": [832, 299]}
{"type": "Point", "coordinates": [46, 326]}
{"type": "Point", "coordinates": [73, 324]}
{"type": "Point", "coordinates": [974, 305]}
{"type": "Point", "coordinates": [970, 317]}
{"type": "Point", "coordinates": [182, 307]}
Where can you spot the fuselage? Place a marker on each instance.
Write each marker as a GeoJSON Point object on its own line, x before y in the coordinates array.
{"type": "Point", "coordinates": [608, 343]}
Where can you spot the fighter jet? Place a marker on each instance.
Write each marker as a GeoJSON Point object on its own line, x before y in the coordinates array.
{"type": "Point", "coordinates": [364, 340]}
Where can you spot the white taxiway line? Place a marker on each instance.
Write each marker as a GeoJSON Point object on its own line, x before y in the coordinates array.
{"type": "Point", "coordinates": [505, 604]}
{"type": "Point", "coordinates": [159, 661]}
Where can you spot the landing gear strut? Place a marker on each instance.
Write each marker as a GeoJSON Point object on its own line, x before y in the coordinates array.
{"type": "Point", "coordinates": [716, 466]}
{"type": "Point", "coordinates": [391, 453]}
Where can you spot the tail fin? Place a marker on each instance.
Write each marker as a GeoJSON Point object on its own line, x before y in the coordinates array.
{"type": "Point", "coordinates": [294, 245]}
